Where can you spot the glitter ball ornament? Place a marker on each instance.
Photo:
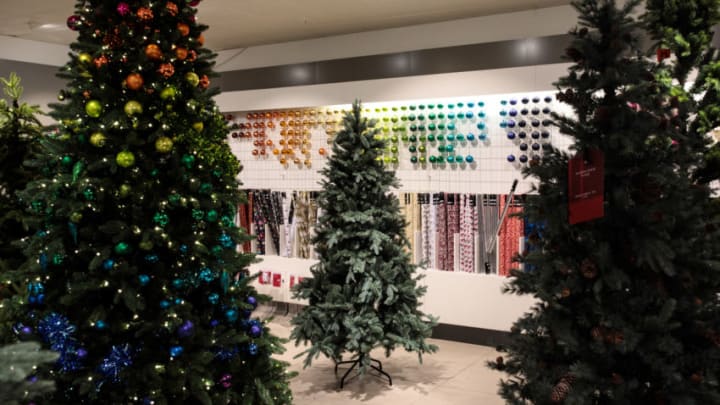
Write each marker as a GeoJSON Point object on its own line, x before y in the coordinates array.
{"type": "Point", "coordinates": [176, 351]}
{"type": "Point", "coordinates": [163, 144]}
{"type": "Point", "coordinates": [133, 107]}
{"type": "Point", "coordinates": [226, 381]}
{"type": "Point", "coordinates": [253, 349]}
{"type": "Point", "coordinates": [125, 159]}
{"type": "Point", "coordinates": [98, 139]}
{"type": "Point", "coordinates": [122, 8]}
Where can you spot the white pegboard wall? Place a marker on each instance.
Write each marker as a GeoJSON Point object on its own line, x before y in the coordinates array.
{"type": "Point", "coordinates": [490, 172]}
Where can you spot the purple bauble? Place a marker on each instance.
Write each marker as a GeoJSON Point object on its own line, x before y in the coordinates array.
{"type": "Point", "coordinates": [81, 353]}
{"type": "Point", "coordinates": [73, 22]}
{"type": "Point", "coordinates": [26, 330]}
{"type": "Point", "coordinates": [255, 331]}
{"type": "Point", "coordinates": [123, 9]}
{"type": "Point", "coordinates": [186, 329]}
{"type": "Point", "coordinates": [252, 301]}
{"type": "Point", "coordinates": [226, 381]}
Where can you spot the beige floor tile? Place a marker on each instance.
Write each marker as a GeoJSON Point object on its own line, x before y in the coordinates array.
{"type": "Point", "coordinates": [455, 375]}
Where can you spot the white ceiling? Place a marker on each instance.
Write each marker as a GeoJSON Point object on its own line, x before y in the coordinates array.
{"type": "Point", "coordinates": [244, 23]}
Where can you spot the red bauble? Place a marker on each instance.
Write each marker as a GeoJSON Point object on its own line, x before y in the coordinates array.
{"type": "Point", "coordinates": [204, 82]}
{"type": "Point", "coordinates": [100, 61]}
{"type": "Point", "coordinates": [192, 55]}
{"type": "Point", "coordinates": [194, 3]}
{"type": "Point", "coordinates": [74, 22]}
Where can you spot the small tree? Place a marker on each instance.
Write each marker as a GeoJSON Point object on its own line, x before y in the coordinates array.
{"type": "Point", "coordinates": [18, 364]}
{"type": "Point", "coordinates": [627, 308]}
{"type": "Point", "coordinates": [19, 133]}
{"type": "Point", "coordinates": [363, 293]}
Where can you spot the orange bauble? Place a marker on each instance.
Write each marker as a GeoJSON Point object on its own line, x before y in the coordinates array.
{"type": "Point", "coordinates": [171, 8]}
{"type": "Point", "coordinates": [166, 69]}
{"type": "Point", "coordinates": [321, 151]}
{"type": "Point", "coordinates": [145, 14]}
{"type": "Point", "coordinates": [184, 29]}
{"type": "Point", "coordinates": [153, 52]}
{"type": "Point", "coordinates": [181, 53]}
{"type": "Point", "coordinates": [134, 81]}
{"type": "Point", "coordinates": [201, 40]}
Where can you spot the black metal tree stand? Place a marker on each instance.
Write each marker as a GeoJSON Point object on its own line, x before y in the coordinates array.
{"type": "Point", "coordinates": [357, 361]}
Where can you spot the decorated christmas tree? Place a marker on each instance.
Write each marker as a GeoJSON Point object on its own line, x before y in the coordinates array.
{"type": "Point", "coordinates": [626, 269]}
{"type": "Point", "coordinates": [364, 292]}
{"type": "Point", "coordinates": [19, 133]}
{"type": "Point", "coordinates": [143, 292]}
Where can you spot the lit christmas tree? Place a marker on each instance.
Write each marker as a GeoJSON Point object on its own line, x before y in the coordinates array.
{"type": "Point", "coordinates": [364, 292]}
{"type": "Point", "coordinates": [143, 292]}
{"type": "Point", "coordinates": [19, 134]}
{"type": "Point", "coordinates": [627, 277]}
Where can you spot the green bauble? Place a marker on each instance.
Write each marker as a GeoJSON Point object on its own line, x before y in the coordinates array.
{"type": "Point", "coordinates": [133, 107]}
{"type": "Point", "coordinates": [163, 144]}
{"type": "Point", "coordinates": [125, 190]}
{"type": "Point", "coordinates": [67, 161]}
{"type": "Point", "coordinates": [122, 248]}
{"type": "Point", "coordinates": [188, 161]}
{"type": "Point", "coordinates": [125, 158]}
{"type": "Point", "coordinates": [98, 139]}
{"type": "Point", "coordinates": [192, 78]}
{"type": "Point", "coordinates": [168, 93]}
{"type": "Point", "coordinates": [212, 216]}
{"type": "Point", "coordinates": [93, 108]}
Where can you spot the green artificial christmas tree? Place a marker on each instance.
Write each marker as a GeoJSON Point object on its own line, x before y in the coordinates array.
{"type": "Point", "coordinates": [364, 292]}
{"type": "Point", "coordinates": [627, 309]}
{"type": "Point", "coordinates": [133, 276]}
{"type": "Point", "coordinates": [18, 362]}
{"type": "Point", "coordinates": [19, 133]}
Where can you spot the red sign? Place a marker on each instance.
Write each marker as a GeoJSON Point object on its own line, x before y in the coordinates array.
{"type": "Point", "coordinates": [586, 186]}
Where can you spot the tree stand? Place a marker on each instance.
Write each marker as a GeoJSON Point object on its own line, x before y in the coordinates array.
{"type": "Point", "coordinates": [354, 363]}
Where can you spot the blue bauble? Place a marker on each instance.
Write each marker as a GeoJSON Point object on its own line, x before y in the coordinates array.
{"type": "Point", "coordinates": [231, 315]}
{"type": "Point", "coordinates": [108, 264]}
{"type": "Point", "coordinates": [255, 331]}
{"type": "Point", "coordinates": [176, 351]}
{"type": "Point", "coordinates": [511, 135]}
{"type": "Point", "coordinates": [252, 301]}
{"type": "Point", "coordinates": [101, 325]}
{"type": "Point", "coordinates": [183, 249]}
{"type": "Point", "coordinates": [43, 261]}
{"type": "Point", "coordinates": [247, 313]}
{"type": "Point", "coordinates": [214, 298]}
{"type": "Point", "coordinates": [178, 301]}
{"type": "Point", "coordinates": [470, 137]}
{"type": "Point", "coordinates": [214, 323]}
{"type": "Point", "coordinates": [206, 275]}
{"type": "Point", "coordinates": [253, 349]}
{"type": "Point", "coordinates": [469, 158]}
{"type": "Point", "coordinates": [165, 304]}
{"type": "Point", "coordinates": [144, 279]}
{"type": "Point", "coordinates": [481, 125]}
{"type": "Point", "coordinates": [523, 159]}
{"type": "Point", "coordinates": [178, 283]}
{"type": "Point", "coordinates": [152, 258]}
{"type": "Point", "coordinates": [511, 158]}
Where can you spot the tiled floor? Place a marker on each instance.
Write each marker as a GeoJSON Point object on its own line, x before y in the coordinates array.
{"type": "Point", "coordinates": [455, 375]}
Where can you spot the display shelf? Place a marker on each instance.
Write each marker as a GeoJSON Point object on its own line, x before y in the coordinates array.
{"type": "Point", "coordinates": [286, 149]}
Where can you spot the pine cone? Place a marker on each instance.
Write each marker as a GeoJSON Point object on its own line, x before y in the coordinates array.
{"type": "Point", "coordinates": [588, 269]}
{"type": "Point", "coordinates": [560, 391]}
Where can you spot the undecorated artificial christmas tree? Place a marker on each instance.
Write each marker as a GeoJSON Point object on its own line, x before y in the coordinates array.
{"type": "Point", "coordinates": [364, 291]}
{"type": "Point", "coordinates": [626, 270]}
{"type": "Point", "coordinates": [144, 294]}
{"type": "Point", "coordinates": [19, 133]}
